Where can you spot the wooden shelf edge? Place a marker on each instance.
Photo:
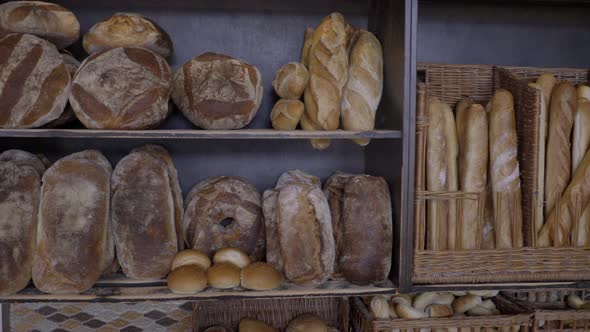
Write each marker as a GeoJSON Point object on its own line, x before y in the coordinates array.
{"type": "Point", "coordinates": [201, 134]}
{"type": "Point", "coordinates": [518, 286]}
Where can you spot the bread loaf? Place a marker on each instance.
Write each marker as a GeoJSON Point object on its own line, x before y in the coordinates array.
{"type": "Point", "coordinates": [216, 91]}
{"type": "Point", "coordinates": [122, 88]}
{"type": "Point", "coordinates": [253, 325]}
{"type": "Point", "coordinates": [366, 230]}
{"type": "Point", "coordinates": [307, 40]}
{"type": "Point", "coordinates": [68, 114]}
{"type": "Point", "coordinates": [23, 158]}
{"type": "Point", "coordinates": [583, 92]}
{"type": "Point", "coordinates": [304, 217]}
{"type": "Point", "coordinates": [127, 30]}
{"type": "Point", "coordinates": [317, 143]}
{"type": "Point", "coordinates": [504, 171]}
{"type": "Point", "coordinates": [452, 152]}
{"type": "Point", "coordinates": [561, 119]}
{"type": "Point", "coordinates": [473, 163]}
{"type": "Point", "coordinates": [307, 323]}
{"type": "Point", "coordinates": [436, 174]}
{"type": "Point", "coordinates": [297, 176]}
{"type": "Point", "coordinates": [580, 145]}
{"type": "Point", "coordinates": [224, 212]}
{"type": "Point", "coordinates": [290, 80]}
{"type": "Point", "coordinates": [74, 245]}
{"type": "Point", "coordinates": [35, 84]}
{"type": "Point", "coordinates": [539, 214]}
{"type": "Point", "coordinates": [143, 215]}
{"type": "Point", "coordinates": [20, 186]}
{"type": "Point", "coordinates": [362, 92]}
{"type": "Point", "coordinates": [546, 82]}
{"type": "Point", "coordinates": [285, 114]}
{"type": "Point", "coordinates": [43, 19]}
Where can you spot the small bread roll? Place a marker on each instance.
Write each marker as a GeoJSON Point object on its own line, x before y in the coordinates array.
{"type": "Point", "coordinates": [392, 312]}
{"type": "Point", "coordinates": [409, 312]}
{"type": "Point", "coordinates": [465, 303]}
{"type": "Point", "coordinates": [290, 80]}
{"type": "Point", "coordinates": [187, 279]}
{"type": "Point", "coordinates": [260, 276]}
{"type": "Point", "coordinates": [253, 325]}
{"type": "Point", "coordinates": [480, 311]}
{"type": "Point", "coordinates": [286, 113]}
{"type": "Point", "coordinates": [234, 256]}
{"type": "Point", "coordinates": [574, 301]}
{"type": "Point", "coordinates": [422, 300]}
{"type": "Point", "coordinates": [379, 307]}
{"type": "Point", "coordinates": [224, 275]}
{"type": "Point", "coordinates": [439, 310]}
{"type": "Point", "coordinates": [307, 323]}
{"type": "Point", "coordinates": [489, 304]}
{"type": "Point", "coordinates": [401, 299]}
{"type": "Point", "coordinates": [191, 257]}
{"type": "Point", "coordinates": [484, 293]}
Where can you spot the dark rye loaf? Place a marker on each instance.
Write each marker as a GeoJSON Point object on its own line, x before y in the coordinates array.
{"type": "Point", "coordinates": [216, 91]}
{"type": "Point", "coordinates": [122, 88]}
{"type": "Point", "coordinates": [34, 82]}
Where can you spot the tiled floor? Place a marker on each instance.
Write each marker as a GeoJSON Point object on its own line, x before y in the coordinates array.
{"type": "Point", "coordinates": [102, 317]}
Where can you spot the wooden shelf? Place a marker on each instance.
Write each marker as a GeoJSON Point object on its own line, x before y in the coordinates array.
{"type": "Point", "coordinates": [127, 290]}
{"type": "Point", "coordinates": [200, 134]}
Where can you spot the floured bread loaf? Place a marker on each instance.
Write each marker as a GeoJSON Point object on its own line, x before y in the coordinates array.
{"type": "Point", "coordinates": [127, 30]}
{"type": "Point", "coordinates": [20, 186]}
{"type": "Point", "coordinates": [68, 114]}
{"type": "Point", "coordinates": [297, 176]}
{"type": "Point", "coordinates": [224, 212]}
{"type": "Point", "coordinates": [35, 83]}
{"type": "Point", "coordinates": [23, 158]}
{"type": "Point", "coordinates": [43, 19]}
{"type": "Point", "coordinates": [74, 245]}
{"type": "Point", "coordinates": [122, 88]}
{"type": "Point", "coordinates": [216, 91]}
{"type": "Point", "coordinates": [304, 218]}
{"type": "Point", "coordinates": [143, 215]}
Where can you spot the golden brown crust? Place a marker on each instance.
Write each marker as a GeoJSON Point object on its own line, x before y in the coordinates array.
{"type": "Point", "coordinates": [187, 279]}
{"type": "Point", "coordinates": [253, 325]}
{"type": "Point", "coordinates": [290, 80]}
{"type": "Point", "coordinates": [285, 114]}
{"type": "Point", "coordinates": [307, 323]}
{"type": "Point", "coordinates": [190, 257]}
{"type": "Point", "coordinates": [260, 276]}
{"type": "Point", "coordinates": [223, 275]}
{"type": "Point", "coordinates": [307, 39]}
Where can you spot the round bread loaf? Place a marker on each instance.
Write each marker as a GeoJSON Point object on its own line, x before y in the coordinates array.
{"type": "Point", "coordinates": [224, 212]}
{"type": "Point", "coordinates": [127, 30]}
{"type": "Point", "coordinates": [233, 256]}
{"type": "Point", "coordinates": [254, 325]}
{"type": "Point", "coordinates": [296, 176]}
{"type": "Point", "coordinates": [122, 88]}
{"type": "Point", "coordinates": [260, 276]}
{"type": "Point", "coordinates": [68, 114]}
{"type": "Point", "coordinates": [223, 275]}
{"type": "Point", "coordinates": [191, 257]}
{"type": "Point", "coordinates": [307, 323]}
{"type": "Point", "coordinates": [43, 19]}
{"type": "Point", "coordinates": [187, 279]}
{"type": "Point", "coordinates": [290, 80]}
{"type": "Point", "coordinates": [35, 84]}
{"type": "Point", "coordinates": [216, 91]}
{"type": "Point", "coordinates": [286, 113]}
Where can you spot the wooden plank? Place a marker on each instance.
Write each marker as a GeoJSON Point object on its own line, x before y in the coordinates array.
{"type": "Point", "coordinates": [201, 134]}
{"type": "Point", "coordinates": [519, 286]}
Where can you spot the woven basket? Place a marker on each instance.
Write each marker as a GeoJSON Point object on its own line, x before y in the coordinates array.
{"type": "Point", "coordinates": [513, 315]}
{"type": "Point", "coordinates": [275, 312]}
{"type": "Point", "coordinates": [450, 83]}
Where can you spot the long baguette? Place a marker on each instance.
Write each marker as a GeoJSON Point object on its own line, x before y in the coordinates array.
{"type": "Point", "coordinates": [505, 173]}
{"type": "Point", "coordinates": [452, 149]}
{"type": "Point", "coordinates": [580, 144]}
{"type": "Point", "coordinates": [546, 82]}
{"type": "Point", "coordinates": [540, 217]}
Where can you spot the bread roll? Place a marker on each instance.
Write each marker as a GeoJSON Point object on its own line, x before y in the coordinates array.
{"type": "Point", "coordinates": [223, 275]}
{"type": "Point", "coordinates": [436, 174]}
{"type": "Point", "coordinates": [574, 301]}
{"type": "Point", "coordinates": [464, 303]}
{"type": "Point", "coordinates": [304, 217]}
{"type": "Point", "coordinates": [260, 276]}
{"type": "Point", "coordinates": [35, 84]}
{"type": "Point", "coordinates": [187, 279]}
{"type": "Point", "coordinates": [23, 158]}
{"type": "Point", "coordinates": [480, 311]}
{"type": "Point", "coordinates": [580, 144]}
{"type": "Point", "coordinates": [285, 114]}
{"type": "Point", "coordinates": [122, 88]}
{"type": "Point", "coordinates": [504, 171]}
{"type": "Point", "coordinates": [362, 92]}
{"type": "Point", "coordinates": [307, 40]}
{"type": "Point", "coordinates": [452, 152]}
{"type": "Point", "coordinates": [127, 30]}
{"type": "Point", "coordinates": [307, 323]}
{"type": "Point", "coordinates": [43, 19]}
{"type": "Point", "coordinates": [216, 91]}
{"type": "Point", "coordinates": [423, 300]}
{"type": "Point", "coordinates": [253, 325]}
{"type": "Point", "coordinates": [143, 215]}
{"type": "Point", "coordinates": [401, 299]}
{"type": "Point", "coordinates": [233, 256]}
{"type": "Point", "coordinates": [379, 307]}
{"type": "Point", "coordinates": [191, 257]}
{"type": "Point", "coordinates": [408, 312]}
{"type": "Point", "coordinates": [290, 80]}
{"type": "Point", "coordinates": [439, 310]}
{"type": "Point", "coordinates": [74, 245]}
{"type": "Point", "coordinates": [366, 230]}
{"type": "Point", "coordinates": [539, 214]}
{"type": "Point", "coordinates": [484, 293]}
{"type": "Point", "coordinates": [546, 82]}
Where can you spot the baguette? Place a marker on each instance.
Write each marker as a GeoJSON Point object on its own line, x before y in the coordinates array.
{"type": "Point", "coordinates": [580, 144]}
{"type": "Point", "coordinates": [505, 173]}
{"type": "Point", "coordinates": [436, 173]}
{"type": "Point", "coordinates": [583, 92]}
{"type": "Point", "coordinates": [452, 149]}
{"type": "Point", "coordinates": [473, 161]}
{"type": "Point", "coordinates": [546, 82]}
{"type": "Point", "coordinates": [540, 163]}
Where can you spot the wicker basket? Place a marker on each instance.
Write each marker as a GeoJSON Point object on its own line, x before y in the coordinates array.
{"type": "Point", "coordinates": [514, 315]}
{"type": "Point", "coordinates": [450, 83]}
{"type": "Point", "coordinates": [275, 312]}
{"type": "Point", "coordinates": [551, 310]}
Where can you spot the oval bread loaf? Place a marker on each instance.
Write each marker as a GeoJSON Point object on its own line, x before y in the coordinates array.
{"type": "Point", "coordinates": [68, 114]}
{"type": "Point", "coordinates": [286, 113]}
{"type": "Point", "coordinates": [23, 158]}
{"type": "Point", "coordinates": [35, 85]}
{"type": "Point", "coordinates": [122, 88]}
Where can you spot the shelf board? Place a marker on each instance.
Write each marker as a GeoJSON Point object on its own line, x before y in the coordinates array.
{"type": "Point", "coordinates": [200, 134]}
{"type": "Point", "coordinates": [500, 286]}
{"type": "Point", "coordinates": [127, 290]}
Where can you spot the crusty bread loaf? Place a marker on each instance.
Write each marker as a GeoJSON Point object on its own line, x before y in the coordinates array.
{"type": "Point", "coordinates": [583, 92]}
{"type": "Point", "coordinates": [362, 92]}
{"type": "Point", "coordinates": [43, 19]}
{"type": "Point", "coordinates": [452, 147]}
{"type": "Point", "coordinates": [297, 176]}
{"type": "Point", "coordinates": [562, 110]}
{"type": "Point", "coordinates": [366, 230]}
{"type": "Point", "coordinates": [127, 30]}
{"type": "Point", "coordinates": [20, 186]}
{"type": "Point", "coordinates": [23, 158]}
{"type": "Point", "coordinates": [304, 217]}
{"type": "Point", "coordinates": [68, 114]}
{"type": "Point", "coordinates": [539, 214]}
{"type": "Point", "coordinates": [580, 145]}
{"type": "Point", "coordinates": [307, 39]}
{"type": "Point", "coordinates": [122, 88]}
{"type": "Point", "coordinates": [35, 84]}
{"type": "Point", "coordinates": [286, 113]}
{"type": "Point", "coordinates": [74, 245]}
{"type": "Point", "coordinates": [316, 143]}
{"type": "Point", "coordinates": [290, 80]}
{"type": "Point", "coordinates": [216, 91]}
{"type": "Point", "coordinates": [546, 82]}
{"type": "Point", "coordinates": [505, 172]}
{"type": "Point", "coordinates": [224, 212]}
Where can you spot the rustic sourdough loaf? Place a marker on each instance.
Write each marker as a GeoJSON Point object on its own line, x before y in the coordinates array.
{"type": "Point", "coordinates": [23, 158]}
{"type": "Point", "coordinates": [68, 114]}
